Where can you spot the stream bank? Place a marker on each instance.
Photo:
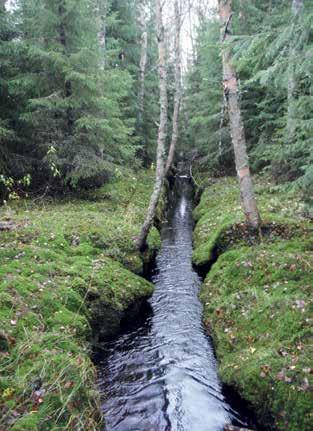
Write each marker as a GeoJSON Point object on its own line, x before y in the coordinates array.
{"type": "Point", "coordinates": [256, 297]}
{"type": "Point", "coordinates": [161, 372]}
{"type": "Point", "coordinates": [69, 276]}
{"type": "Point", "coordinates": [59, 252]}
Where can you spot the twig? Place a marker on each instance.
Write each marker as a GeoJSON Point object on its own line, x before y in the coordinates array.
{"type": "Point", "coordinates": [192, 177]}
{"type": "Point", "coordinates": [43, 195]}
{"type": "Point", "coordinates": [227, 25]}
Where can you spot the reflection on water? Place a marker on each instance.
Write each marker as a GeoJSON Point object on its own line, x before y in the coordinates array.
{"type": "Point", "coordinates": [161, 375]}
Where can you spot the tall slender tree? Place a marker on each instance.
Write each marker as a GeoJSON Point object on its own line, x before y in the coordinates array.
{"type": "Point", "coordinates": [177, 96]}
{"type": "Point", "coordinates": [162, 131]}
{"type": "Point", "coordinates": [297, 5]}
{"type": "Point", "coordinates": [102, 11]}
{"type": "Point", "coordinates": [191, 30]}
{"type": "Point", "coordinates": [230, 85]}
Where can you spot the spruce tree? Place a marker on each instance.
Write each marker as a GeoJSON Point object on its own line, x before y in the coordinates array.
{"type": "Point", "coordinates": [74, 106]}
{"type": "Point", "coordinates": [7, 103]}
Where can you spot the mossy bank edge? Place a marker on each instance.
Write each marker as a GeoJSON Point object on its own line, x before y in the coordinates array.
{"type": "Point", "coordinates": [257, 302]}
{"type": "Point", "coordinates": [69, 274]}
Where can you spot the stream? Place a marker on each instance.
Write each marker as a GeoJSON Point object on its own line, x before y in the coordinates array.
{"type": "Point", "coordinates": [161, 373]}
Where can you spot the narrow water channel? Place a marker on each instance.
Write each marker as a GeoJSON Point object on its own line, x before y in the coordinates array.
{"type": "Point", "coordinates": [161, 374]}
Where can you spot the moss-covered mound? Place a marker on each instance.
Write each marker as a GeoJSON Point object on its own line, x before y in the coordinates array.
{"type": "Point", "coordinates": [65, 276]}
{"type": "Point", "coordinates": [257, 302]}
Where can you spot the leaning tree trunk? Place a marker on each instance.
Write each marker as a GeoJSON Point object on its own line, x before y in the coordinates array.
{"type": "Point", "coordinates": [177, 97]}
{"type": "Point", "coordinates": [236, 125]}
{"type": "Point", "coordinates": [160, 165]}
{"type": "Point", "coordinates": [143, 63]}
{"type": "Point", "coordinates": [296, 8]}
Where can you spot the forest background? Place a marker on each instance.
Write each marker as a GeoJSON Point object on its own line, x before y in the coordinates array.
{"type": "Point", "coordinates": [76, 107]}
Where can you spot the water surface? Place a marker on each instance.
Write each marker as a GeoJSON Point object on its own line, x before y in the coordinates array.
{"type": "Point", "coordinates": [161, 375]}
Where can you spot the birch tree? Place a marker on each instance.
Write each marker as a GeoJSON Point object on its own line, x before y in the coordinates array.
{"type": "Point", "coordinates": [160, 156]}
{"type": "Point", "coordinates": [193, 51]}
{"type": "Point", "coordinates": [177, 96]}
{"type": "Point", "coordinates": [102, 16]}
{"type": "Point", "coordinates": [230, 85]}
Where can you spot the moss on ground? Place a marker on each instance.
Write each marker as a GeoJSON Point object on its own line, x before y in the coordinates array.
{"type": "Point", "coordinates": [257, 302]}
{"type": "Point", "coordinates": [67, 266]}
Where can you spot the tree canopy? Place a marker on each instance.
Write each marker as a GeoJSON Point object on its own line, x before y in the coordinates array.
{"type": "Point", "coordinates": [71, 79]}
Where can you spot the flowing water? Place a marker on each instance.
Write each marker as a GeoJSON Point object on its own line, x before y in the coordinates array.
{"type": "Point", "coordinates": [161, 374]}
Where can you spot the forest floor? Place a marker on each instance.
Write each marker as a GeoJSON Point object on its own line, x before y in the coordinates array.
{"type": "Point", "coordinates": [66, 264]}
{"type": "Point", "coordinates": [257, 301]}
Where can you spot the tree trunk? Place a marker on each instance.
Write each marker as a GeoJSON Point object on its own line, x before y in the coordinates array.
{"type": "Point", "coordinates": [102, 10]}
{"type": "Point", "coordinates": [193, 51]}
{"type": "Point", "coordinates": [177, 97]}
{"type": "Point", "coordinates": [160, 165]}
{"type": "Point", "coordinates": [236, 125]}
{"type": "Point", "coordinates": [142, 64]}
{"type": "Point", "coordinates": [296, 8]}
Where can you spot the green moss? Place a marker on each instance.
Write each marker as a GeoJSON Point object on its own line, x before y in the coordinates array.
{"type": "Point", "coordinates": [29, 422]}
{"type": "Point", "coordinates": [257, 305]}
{"type": "Point", "coordinates": [154, 239]}
{"type": "Point", "coordinates": [220, 210]}
{"type": "Point", "coordinates": [65, 271]}
{"type": "Point", "coordinates": [113, 290]}
{"type": "Point", "coordinates": [216, 211]}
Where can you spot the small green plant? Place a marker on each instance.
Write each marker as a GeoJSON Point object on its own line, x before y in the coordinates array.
{"type": "Point", "coordinates": [12, 186]}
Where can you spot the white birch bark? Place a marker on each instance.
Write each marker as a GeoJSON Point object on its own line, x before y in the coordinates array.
{"type": "Point", "coordinates": [102, 10]}
{"type": "Point", "coordinates": [160, 157]}
{"type": "Point", "coordinates": [177, 97]}
{"type": "Point", "coordinates": [236, 125]}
